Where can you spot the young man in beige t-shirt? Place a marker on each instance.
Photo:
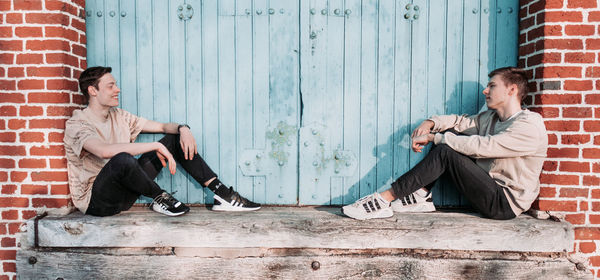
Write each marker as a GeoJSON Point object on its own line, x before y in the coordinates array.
{"type": "Point", "coordinates": [493, 158]}
{"type": "Point", "coordinates": [105, 178]}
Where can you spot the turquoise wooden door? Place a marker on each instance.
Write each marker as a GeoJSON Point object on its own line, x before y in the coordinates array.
{"type": "Point", "coordinates": [301, 102]}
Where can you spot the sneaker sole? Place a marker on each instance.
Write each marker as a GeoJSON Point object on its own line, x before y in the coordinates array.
{"type": "Point", "coordinates": [418, 208]}
{"type": "Point", "coordinates": [380, 215]}
{"type": "Point", "coordinates": [170, 214]}
{"type": "Point", "coordinates": [222, 208]}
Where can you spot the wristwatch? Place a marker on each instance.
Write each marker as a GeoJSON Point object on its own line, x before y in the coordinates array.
{"type": "Point", "coordinates": [182, 125]}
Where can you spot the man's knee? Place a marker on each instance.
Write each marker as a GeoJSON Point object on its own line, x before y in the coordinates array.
{"type": "Point", "coordinates": [169, 139]}
{"type": "Point", "coordinates": [124, 159]}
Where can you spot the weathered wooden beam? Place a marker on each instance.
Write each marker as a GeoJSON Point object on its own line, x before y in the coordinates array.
{"type": "Point", "coordinates": [289, 227]}
{"type": "Point", "coordinates": [32, 264]}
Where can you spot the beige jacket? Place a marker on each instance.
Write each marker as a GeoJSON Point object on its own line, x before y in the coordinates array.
{"type": "Point", "coordinates": [512, 152]}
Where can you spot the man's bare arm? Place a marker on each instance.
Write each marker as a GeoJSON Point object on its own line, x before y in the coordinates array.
{"type": "Point", "coordinates": [103, 150]}
{"type": "Point", "coordinates": [186, 139]}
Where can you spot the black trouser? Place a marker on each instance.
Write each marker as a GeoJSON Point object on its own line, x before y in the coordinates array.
{"type": "Point", "coordinates": [123, 179]}
{"type": "Point", "coordinates": [484, 194]}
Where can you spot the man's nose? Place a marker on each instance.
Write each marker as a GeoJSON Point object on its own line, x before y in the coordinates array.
{"type": "Point", "coordinates": [486, 91]}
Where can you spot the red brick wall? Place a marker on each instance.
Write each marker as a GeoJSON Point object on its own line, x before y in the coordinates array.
{"type": "Point", "coordinates": [42, 51]}
{"type": "Point", "coordinates": [560, 46]}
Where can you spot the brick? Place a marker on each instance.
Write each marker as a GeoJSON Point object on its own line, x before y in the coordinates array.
{"type": "Point", "coordinates": [48, 123]}
{"type": "Point", "coordinates": [47, 18]}
{"type": "Point", "coordinates": [29, 137]}
{"type": "Point", "coordinates": [550, 166]}
{"type": "Point", "coordinates": [596, 167]}
{"type": "Point", "coordinates": [31, 84]}
{"type": "Point", "coordinates": [14, 228]}
{"type": "Point", "coordinates": [575, 139]}
{"type": "Point", "coordinates": [545, 30]}
{"type": "Point", "coordinates": [571, 192]}
{"type": "Point", "coordinates": [16, 124]}
{"type": "Point", "coordinates": [80, 51]}
{"type": "Point", "coordinates": [555, 205]}
{"type": "Point", "coordinates": [591, 181]}
{"type": "Point", "coordinates": [83, 63]}
{"type": "Point", "coordinates": [48, 72]}
{"type": "Point", "coordinates": [8, 85]}
{"type": "Point", "coordinates": [78, 98]}
{"type": "Point", "coordinates": [28, 214]}
{"type": "Point", "coordinates": [559, 72]}
{"type": "Point", "coordinates": [592, 72]}
{"type": "Point", "coordinates": [563, 44]}
{"type": "Point", "coordinates": [59, 189]}
{"type": "Point", "coordinates": [12, 150]}
{"type": "Point", "coordinates": [574, 4]}
{"type": "Point", "coordinates": [49, 202]}
{"type": "Point", "coordinates": [592, 44]}
{"type": "Point", "coordinates": [594, 16]}
{"type": "Point", "coordinates": [2, 124]}
{"type": "Point", "coordinates": [8, 111]}
{"type": "Point", "coordinates": [53, 5]}
{"type": "Point", "coordinates": [580, 57]}
{"type": "Point", "coordinates": [29, 111]}
{"type": "Point", "coordinates": [7, 163]}
{"type": "Point", "coordinates": [10, 215]}
{"type": "Point", "coordinates": [9, 189]}
{"type": "Point", "coordinates": [594, 219]}
{"type": "Point", "coordinates": [580, 30]}
{"type": "Point", "coordinates": [47, 45]}
{"type": "Point", "coordinates": [544, 58]}
{"type": "Point", "coordinates": [11, 45]}
{"type": "Point", "coordinates": [61, 32]}
{"type": "Point", "coordinates": [63, 85]}
{"type": "Point", "coordinates": [577, 112]}
{"type": "Point", "coordinates": [14, 202]}
{"type": "Point", "coordinates": [49, 176]}
{"type": "Point", "coordinates": [596, 206]}
{"type": "Point", "coordinates": [6, 32]}
{"type": "Point", "coordinates": [78, 24]}
{"type": "Point", "coordinates": [9, 137]}
{"type": "Point", "coordinates": [52, 150]}
{"type": "Point", "coordinates": [559, 16]}
{"type": "Point", "coordinates": [83, 41]}
{"type": "Point", "coordinates": [16, 72]}
{"type": "Point", "coordinates": [34, 189]}
{"type": "Point", "coordinates": [12, 97]}
{"type": "Point", "coordinates": [62, 58]}
{"type": "Point", "coordinates": [591, 153]}
{"type": "Point", "coordinates": [547, 192]}
{"type": "Point", "coordinates": [27, 32]}
{"type": "Point", "coordinates": [6, 58]}
{"type": "Point", "coordinates": [27, 4]}
{"type": "Point", "coordinates": [32, 163]}
{"type": "Point", "coordinates": [546, 112]}
{"type": "Point", "coordinates": [592, 99]}
{"type": "Point", "coordinates": [48, 97]}
{"type": "Point", "coordinates": [14, 18]}
{"type": "Point", "coordinates": [58, 163]}
{"type": "Point", "coordinates": [56, 137]}
{"type": "Point", "coordinates": [558, 99]}
{"type": "Point", "coordinates": [9, 267]}
{"type": "Point", "coordinates": [17, 176]}
{"type": "Point", "coordinates": [60, 111]}
{"type": "Point", "coordinates": [591, 126]}
{"type": "Point", "coordinates": [562, 125]}
{"type": "Point", "coordinates": [554, 179]}
{"type": "Point", "coordinates": [577, 85]}
{"type": "Point", "coordinates": [8, 255]}
{"type": "Point", "coordinates": [597, 140]}
{"type": "Point", "coordinates": [576, 219]}
{"type": "Point", "coordinates": [28, 58]}
{"type": "Point", "coordinates": [587, 247]}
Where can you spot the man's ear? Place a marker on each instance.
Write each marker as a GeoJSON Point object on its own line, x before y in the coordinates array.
{"type": "Point", "coordinates": [513, 90]}
{"type": "Point", "coordinates": [92, 91]}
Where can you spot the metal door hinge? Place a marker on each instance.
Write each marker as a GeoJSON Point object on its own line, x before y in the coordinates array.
{"type": "Point", "coordinates": [185, 12]}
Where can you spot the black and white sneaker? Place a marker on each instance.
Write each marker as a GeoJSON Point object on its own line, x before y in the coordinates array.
{"type": "Point", "coordinates": [418, 202]}
{"type": "Point", "coordinates": [166, 204]}
{"type": "Point", "coordinates": [369, 207]}
{"type": "Point", "coordinates": [234, 202]}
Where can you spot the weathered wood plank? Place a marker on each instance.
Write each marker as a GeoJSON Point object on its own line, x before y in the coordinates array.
{"type": "Point", "coordinates": [304, 228]}
{"type": "Point", "coordinates": [54, 265]}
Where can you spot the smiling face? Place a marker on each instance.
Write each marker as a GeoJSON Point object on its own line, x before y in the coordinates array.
{"type": "Point", "coordinates": [107, 93]}
{"type": "Point", "coordinates": [498, 93]}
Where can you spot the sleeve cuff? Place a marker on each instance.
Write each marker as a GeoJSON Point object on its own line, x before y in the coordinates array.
{"type": "Point", "coordinates": [438, 139]}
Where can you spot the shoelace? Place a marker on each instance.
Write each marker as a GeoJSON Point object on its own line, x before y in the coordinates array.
{"type": "Point", "coordinates": [359, 203]}
{"type": "Point", "coordinates": [166, 198]}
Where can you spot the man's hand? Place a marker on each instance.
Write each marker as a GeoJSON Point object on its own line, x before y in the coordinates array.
{"type": "Point", "coordinates": [421, 141]}
{"type": "Point", "coordinates": [164, 154]}
{"type": "Point", "coordinates": [187, 142]}
{"type": "Point", "coordinates": [424, 128]}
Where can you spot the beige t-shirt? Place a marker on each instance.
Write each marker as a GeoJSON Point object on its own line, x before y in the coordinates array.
{"type": "Point", "coordinates": [512, 151]}
{"type": "Point", "coordinates": [83, 166]}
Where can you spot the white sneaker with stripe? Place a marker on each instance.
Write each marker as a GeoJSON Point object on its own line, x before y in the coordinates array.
{"type": "Point", "coordinates": [419, 201]}
{"type": "Point", "coordinates": [369, 207]}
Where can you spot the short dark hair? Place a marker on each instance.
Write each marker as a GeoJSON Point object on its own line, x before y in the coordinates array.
{"type": "Point", "coordinates": [513, 76]}
{"type": "Point", "coordinates": [91, 77]}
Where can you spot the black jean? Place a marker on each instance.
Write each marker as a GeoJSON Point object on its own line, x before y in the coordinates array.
{"type": "Point", "coordinates": [123, 179]}
{"type": "Point", "coordinates": [482, 191]}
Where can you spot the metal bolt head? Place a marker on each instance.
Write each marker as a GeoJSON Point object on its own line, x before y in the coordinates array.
{"type": "Point", "coordinates": [112, 13]}
{"type": "Point", "coordinates": [180, 8]}
{"type": "Point", "coordinates": [322, 144]}
{"type": "Point", "coordinates": [280, 196]}
{"type": "Point", "coordinates": [257, 169]}
{"type": "Point", "coordinates": [315, 265]}
{"type": "Point", "coordinates": [180, 16]}
{"type": "Point", "coordinates": [258, 155]}
{"type": "Point", "coordinates": [336, 11]}
{"type": "Point", "coordinates": [314, 131]}
{"type": "Point", "coordinates": [189, 7]}
{"type": "Point", "coordinates": [282, 11]}
{"type": "Point", "coordinates": [89, 13]}
{"type": "Point", "coordinates": [408, 6]}
{"type": "Point", "coordinates": [248, 12]}
{"type": "Point", "coordinates": [306, 144]}
{"type": "Point", "coordinates": [475, 10]}
{"type": "Point", "coordinates": [247, 163]}
{"type": "Point", "coordinates": [271, 11]}
{"type": "Point", "coordinates": [348, 163]}
{"type": "Point", "coordinates": [324, 11]}
{"type": "Point", "coordinates": [406, 16]}
{"type": "Point", "coordinates": [315, 163]}
{"type": "Point", "coordinates": [485, 11]}
{"type": "Point", "coordinates": [280, 163]}
{"type": "Point", "coordinates": [123, 14]}
{"type": "Point", "coordinates": [99, 14]}
{"type": "Point", "coordinates": [312, 36]}
{"type": "Point", "coordinates": [32, 260]}
{"type": "Point", "coordinates": [416, 16]}
{"type": "Point", "coordinates": [312, 11]}
{"type": "Point", "coordinates": [348, 12]}
{"type": "Point", "coordinates": [499, 10]}
{"type": "Point", "coordinates": [337, 171]}
{"type": "Point", "coordinates": [510, 10]}
{"type": "Point", "coordinates": [416, 8]}
{"type": "Point", "coordinates": [314, 196]}
{"type": "Point", "coordinates": [259, 12]}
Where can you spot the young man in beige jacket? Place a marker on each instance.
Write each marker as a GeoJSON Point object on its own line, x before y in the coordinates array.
{"type": "Point", "coordinates": [493, 158]}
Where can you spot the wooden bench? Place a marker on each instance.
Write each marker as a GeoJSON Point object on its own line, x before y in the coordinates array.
{"type": "Point", "coordinates": [294, 243]}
